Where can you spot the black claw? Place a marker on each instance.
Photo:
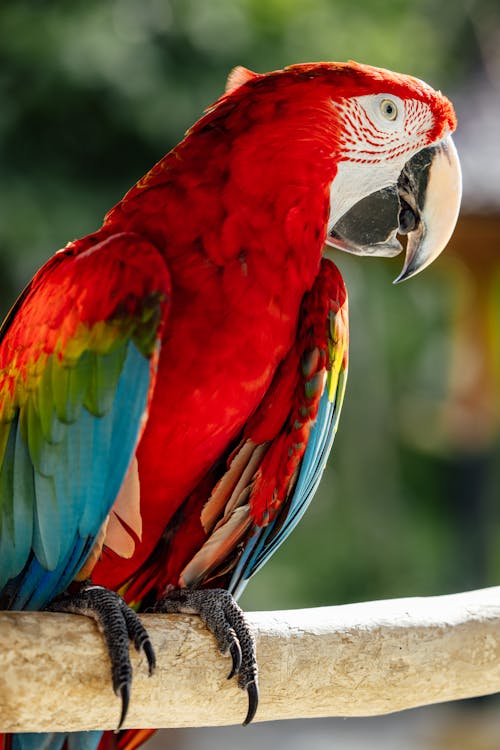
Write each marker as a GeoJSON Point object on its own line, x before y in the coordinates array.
{"type": "Point", "coordinates": [147, 647]}
{"type": "Point", "coordinates": [226, 621]}
{"type": "Point", "coordinates": [253, 701]}
{"type": "Point", "coordinates": [120, 626]}
{"type": "Point", "coordinates": [235, 650]}
{"type": "Point", "coordinates": [124, 693]}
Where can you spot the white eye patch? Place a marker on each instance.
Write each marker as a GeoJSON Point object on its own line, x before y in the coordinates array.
{"type": "Point", "coordinates": [385, 113]}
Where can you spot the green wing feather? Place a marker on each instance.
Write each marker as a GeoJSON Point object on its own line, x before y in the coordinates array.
{"type": "Point", "coordinates": [77, 367]}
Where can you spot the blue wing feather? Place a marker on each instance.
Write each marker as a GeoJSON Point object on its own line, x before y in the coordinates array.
{"type": "Point", "coordinates": [131, 399]}
{"type": "Point", "coordinates": [68, 431]}
{"type": "Point", "coordinates": [265, 541]}
{"type": "Point", "coordinates": [72, 504]}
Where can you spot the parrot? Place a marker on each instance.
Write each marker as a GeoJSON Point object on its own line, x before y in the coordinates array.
{"type": "Point", "coordinates": [171, 385]}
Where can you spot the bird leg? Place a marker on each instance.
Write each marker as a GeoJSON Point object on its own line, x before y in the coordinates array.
{"type": "Point", "coordinates": [119, 624]}
{"type": "Point", "coordinates": [225, 619]}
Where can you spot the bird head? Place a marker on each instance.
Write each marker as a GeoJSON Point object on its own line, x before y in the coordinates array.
{"type": "Point", "coordinates": [387, 137]}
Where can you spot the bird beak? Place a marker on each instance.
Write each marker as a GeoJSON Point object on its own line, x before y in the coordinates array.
{"type": "Point", "coordinates": [423, 205]}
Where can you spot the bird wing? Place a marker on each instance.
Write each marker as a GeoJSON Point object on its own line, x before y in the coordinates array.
{"type": "Point", "coordinates": [78, 355]}
{"type": "Point", "coordinates": [273, 472]}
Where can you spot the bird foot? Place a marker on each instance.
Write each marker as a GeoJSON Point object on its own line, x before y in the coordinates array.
{"type": "Point", "coordinates": [225, 619]}
{"type": "Point", "coordinates": [119, 625]}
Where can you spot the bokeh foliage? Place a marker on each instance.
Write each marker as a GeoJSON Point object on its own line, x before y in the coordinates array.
{"type": "Point", "coordinates": [93, 92]}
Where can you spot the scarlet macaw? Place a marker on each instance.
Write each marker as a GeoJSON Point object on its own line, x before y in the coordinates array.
{"type": "Point", "coordinates": [171, 384]}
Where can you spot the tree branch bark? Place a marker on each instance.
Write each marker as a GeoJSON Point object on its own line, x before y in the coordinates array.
{"type": "Point", "coordinates": [352, 660]}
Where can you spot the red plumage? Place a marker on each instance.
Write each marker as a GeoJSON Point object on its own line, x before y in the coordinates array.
{"type": "Point", "coordinates": [239, 208]}
{"type": "Point", "coordinates": [232, 224]}
{"type": "Point", "coordinates": [234, 231]}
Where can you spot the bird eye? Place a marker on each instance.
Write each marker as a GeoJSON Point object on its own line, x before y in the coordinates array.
{"type": "Point", "coordinates": [388, 109]}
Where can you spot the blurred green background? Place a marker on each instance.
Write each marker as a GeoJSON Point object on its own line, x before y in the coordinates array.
{"type": "Point", "coordinates": [93, 92]}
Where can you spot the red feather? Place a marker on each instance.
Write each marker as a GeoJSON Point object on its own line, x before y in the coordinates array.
{"type": "Point", "coordinates": [238, 211]}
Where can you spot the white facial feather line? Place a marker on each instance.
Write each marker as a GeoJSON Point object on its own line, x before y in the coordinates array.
{"type": "Point", "coordinates": [369, 139]}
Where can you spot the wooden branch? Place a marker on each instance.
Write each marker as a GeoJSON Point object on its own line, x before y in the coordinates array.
{"type": "Point", "coordinates": [352, 660]}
